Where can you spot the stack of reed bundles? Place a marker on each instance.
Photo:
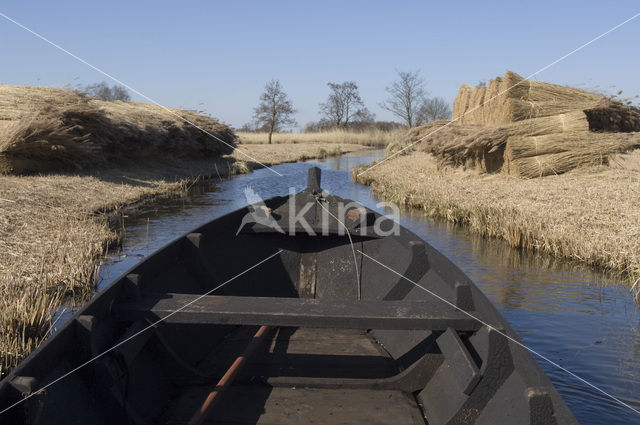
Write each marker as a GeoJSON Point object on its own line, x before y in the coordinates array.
{"type": "Point", "coordinates": [532, 130]}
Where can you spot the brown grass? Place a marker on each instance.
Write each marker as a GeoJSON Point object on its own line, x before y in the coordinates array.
{"type": "Point", "coordinates": [377, 138]}
{"type": "Point", "coordinates": [591, 215]}
{"type": "Point", "coordinates": [48, 129]}
{"type": "Point", "coordinates": [54, 228]}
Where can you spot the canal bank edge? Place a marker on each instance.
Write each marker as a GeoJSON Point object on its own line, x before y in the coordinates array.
{"type": "Point", "coordinates": [590, 215]}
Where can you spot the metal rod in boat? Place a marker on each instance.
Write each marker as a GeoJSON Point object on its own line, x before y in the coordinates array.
{"type": "Point", "coordinates": [227, 379]}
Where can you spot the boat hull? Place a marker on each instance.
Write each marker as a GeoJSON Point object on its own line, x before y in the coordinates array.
{"type": "Point", "coordinates": [362, 329]}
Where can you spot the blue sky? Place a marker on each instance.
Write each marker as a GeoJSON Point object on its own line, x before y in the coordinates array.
{"type": "Point", "coordinates": [217, 56]}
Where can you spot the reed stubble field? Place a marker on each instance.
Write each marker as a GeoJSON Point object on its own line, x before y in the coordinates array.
{"type": "Point", "coordinates": [288, 152]}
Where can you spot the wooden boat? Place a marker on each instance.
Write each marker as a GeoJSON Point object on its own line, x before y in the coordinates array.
{"type": "Point", "coordinates": [337, 341]}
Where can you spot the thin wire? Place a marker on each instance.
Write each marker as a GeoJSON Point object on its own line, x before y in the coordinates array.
{"type": "Point", "coordinates": [134, 90]}
{"type": "Point", "coordinates": [504, 335]}
{"type": "Point", "coordinates": [137, 333]}
{"type": "Point", "coordinates": [503, 92]}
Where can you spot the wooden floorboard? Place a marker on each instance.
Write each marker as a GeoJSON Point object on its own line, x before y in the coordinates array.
{"type": "Point", "coordinates": [307, 352]}
{"type": "Point", "coordinates": [252, 404]}
{"type": "Point", "coordinates": [302, 352]}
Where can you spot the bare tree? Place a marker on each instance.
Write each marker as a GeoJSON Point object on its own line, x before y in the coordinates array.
{"type": "Point", "coordinates": [344, 105]}
{"type": "Point", "coordinates": [434, 108]}
{"type": "Point", "coordinates": [102, 91]}
{"type": "Point", "coordinates": [120, 93]}
{"type": "Point", "coordinates": [275, 110]}
{"type": "Point", "coordinates": [248, 127]}
{"type": "Point", "coordinates": [405, 96]}
{"type": "Point", "coordinates": [364, 116]}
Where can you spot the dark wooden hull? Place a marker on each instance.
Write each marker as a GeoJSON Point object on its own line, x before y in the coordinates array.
{"type": "Point", "coordinates": [397, 356]}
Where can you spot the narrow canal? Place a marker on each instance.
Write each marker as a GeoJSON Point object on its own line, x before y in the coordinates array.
{"type": "Point", "coordinates": [585, 321]}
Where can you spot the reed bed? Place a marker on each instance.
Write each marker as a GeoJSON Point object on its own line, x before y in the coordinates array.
{"type": "Point", "coordinates": [590, 215]}
{"type": "Point", "coordinates": [47, 129]}
{"type": "Point", "coordinates": [54, 228]}
{"type": "Point", "coordinates": [374, 138]}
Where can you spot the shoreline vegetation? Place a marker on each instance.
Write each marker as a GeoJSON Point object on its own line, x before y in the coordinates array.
{"type": "Point", "coordinates": [590, 215]}
{"type": "Point", "coordinates": [274, 154]}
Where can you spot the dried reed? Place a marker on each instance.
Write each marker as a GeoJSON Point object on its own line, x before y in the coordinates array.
{"type": "Point", "coordinates": [537, 156]}
{"type": "Point", "coordinates": [54, 129]}
{"type": "Point", "coordinates": [589, 215]}
{"type": "Point", "coordinates": [575, 126]}
{"type": "Point", "coordinates": [512, 98]}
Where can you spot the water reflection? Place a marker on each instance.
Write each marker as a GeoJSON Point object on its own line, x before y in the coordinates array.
{"type": "Point", "coordinates": [581, 319]}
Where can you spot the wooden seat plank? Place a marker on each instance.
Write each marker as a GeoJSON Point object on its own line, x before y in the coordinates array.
{"type": "Point", "coordinates": [296, 312]}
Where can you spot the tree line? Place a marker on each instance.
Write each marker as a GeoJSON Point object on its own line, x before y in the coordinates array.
{"type": "Point", "coordinates": [407, 99]}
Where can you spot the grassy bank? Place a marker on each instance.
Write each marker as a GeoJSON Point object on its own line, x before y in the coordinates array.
{"type": "Point", "coordinates": [54, 230]}
{"type": "Point", "coordinates": [373, 137]}
{"type": "Point", "coordinates": [590, 215]}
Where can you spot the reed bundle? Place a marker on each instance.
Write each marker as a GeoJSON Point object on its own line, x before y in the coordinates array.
{"type": "Point", "coordinates": [529, 128]}
{"type": "Point", "coordinates": [537, 156]}
{"type": "Point", "coordinates": [54, 129]}
{"type": "Point", "coordinates": [471, 144]}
